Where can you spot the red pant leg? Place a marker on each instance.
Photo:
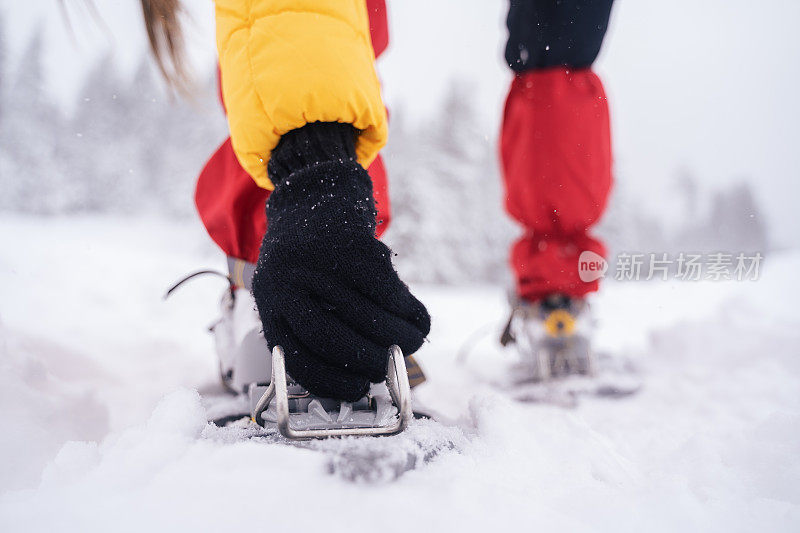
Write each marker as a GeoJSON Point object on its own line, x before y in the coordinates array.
{"type": "Point", "coordinates": [556, 155]}
{"type": "Point", "coordinates": [232, 206]}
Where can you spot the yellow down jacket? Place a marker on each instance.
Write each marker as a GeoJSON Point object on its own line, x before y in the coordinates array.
{"type": "Point", "coordinates": [286, 63]}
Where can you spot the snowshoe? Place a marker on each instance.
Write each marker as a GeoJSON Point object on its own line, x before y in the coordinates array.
{"type": "Point", "coordinates": [385, 410]}
{"type": "Point", "coordinates": [556, 361]}
{"type": "Point", "coordinates": [258, 389]}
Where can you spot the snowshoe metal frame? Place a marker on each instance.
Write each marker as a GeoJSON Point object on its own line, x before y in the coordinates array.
{"type": "Point", "coordinates": [396, 382]}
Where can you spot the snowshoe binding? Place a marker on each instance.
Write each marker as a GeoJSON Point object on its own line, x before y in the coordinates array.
{"type": "Point", "coordinates": [556, 362]}
{"type": "Point", "coordinates": [299, 415]}
{"type": "Point", "coordinates": [258, 389]}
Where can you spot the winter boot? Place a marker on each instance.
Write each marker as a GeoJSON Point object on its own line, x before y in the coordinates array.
{"type": "Point", "coordinates": [552, 337]}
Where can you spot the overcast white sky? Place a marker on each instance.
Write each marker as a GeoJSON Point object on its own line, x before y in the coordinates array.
{"type": "Point", "coordinates": [706, 85]}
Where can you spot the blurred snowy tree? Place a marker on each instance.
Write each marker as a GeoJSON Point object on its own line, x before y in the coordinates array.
{"type": "Point", "coordinates": [131, 147]}
{"type": "Point", "coordinates": [727, 220]}
{"type": "Point", "coordinates": [735, 223]}
{"type": "Point", "coordinates": [143, 102]}
{"type": "Point", "coordinates": [30, 176]}
{"type": "Point", "coordinates": [192, 129]}
{"type": "Point", "coordinates": [448, 222]}
{"type": "Point", "coordinates": [90, 147]}
{"type": "Point", "coordinates": [2, 65]}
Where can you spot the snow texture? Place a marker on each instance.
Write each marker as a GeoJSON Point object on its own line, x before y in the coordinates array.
{"type": "Point", "coordinates": [104, 428]}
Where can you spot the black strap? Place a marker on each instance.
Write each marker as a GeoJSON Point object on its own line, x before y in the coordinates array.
{"type": "Point", "coordinates": [200, 273]}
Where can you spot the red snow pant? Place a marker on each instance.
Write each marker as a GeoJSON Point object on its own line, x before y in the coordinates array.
{"type": "Point", "coordinates": [556, 154]}
{"type": "Point", "coordinates": [555, 141]}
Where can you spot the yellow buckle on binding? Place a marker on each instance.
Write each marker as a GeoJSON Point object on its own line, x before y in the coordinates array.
{"type": "Point", "coordinates": [559, 323]}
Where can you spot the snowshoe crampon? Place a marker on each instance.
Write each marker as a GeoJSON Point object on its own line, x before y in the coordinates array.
{"type": "Point", "coordinates": [552, 361]}
{"type": "Point", "coordinates": [298, 415]}
{"type": "Point", "coordinates": [557, 364]}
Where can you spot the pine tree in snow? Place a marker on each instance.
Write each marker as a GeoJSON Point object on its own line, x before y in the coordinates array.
{"type": "Point", "coordinates": [735, 222]}
{"type": "Point", "coordinates": [31, 127]}
{"type": "Point", "coordinates": [5, 171]}
{"type": "Point", "coordinates": [448, 222]}
{"type": "Point", "coordinates": [2, 68]}
{"type": "Point", "coordinates": [90, 147]}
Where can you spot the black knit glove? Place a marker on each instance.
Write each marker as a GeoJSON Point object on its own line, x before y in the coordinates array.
{"type": "Point", "coordinates": [324, 285]}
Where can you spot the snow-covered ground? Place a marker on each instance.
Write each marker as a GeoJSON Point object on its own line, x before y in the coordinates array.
{"type": "Point", "coordinates": [103, 428]}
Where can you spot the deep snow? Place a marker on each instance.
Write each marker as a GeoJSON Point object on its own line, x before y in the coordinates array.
{"type": "Point", "coordinates": [103, 430]}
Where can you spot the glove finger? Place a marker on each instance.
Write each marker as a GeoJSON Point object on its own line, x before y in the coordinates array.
{"type": "Point", "coordinates": [384, 290]}
{"type": "Point", "coordinates": [363, 315]}
{"type": "Point", "coordinates": [382, 285]}
{"type": "Point", "coordinates": [319, 377]}
{"type": "Point", "coordinates": [327, 338]}
{"type": "Point", "coordinates": [363, 264]}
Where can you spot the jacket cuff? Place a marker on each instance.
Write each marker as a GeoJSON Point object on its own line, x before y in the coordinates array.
{"type": "Point", "coordinates": [314, 143]}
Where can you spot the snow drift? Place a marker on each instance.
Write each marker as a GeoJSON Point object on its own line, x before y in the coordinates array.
{"type": "Point", "coordinates": [104, 430]}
